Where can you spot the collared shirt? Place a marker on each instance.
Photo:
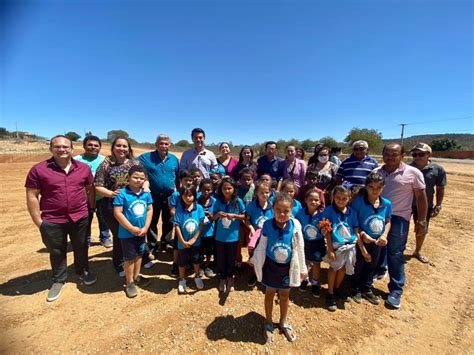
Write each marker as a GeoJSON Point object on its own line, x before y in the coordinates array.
{"type": "Point", "coordinates": [372, 220]}
{"type": "Point", "coordinates": [434, 175]}
{"type": "Point", "coordinates": [273, 167]}
{"type": "Point", "coordinates": [399, 188]}
{"type": "Point", "coordinates": [279, 246]}
{"type": "Point", "coordinates": [206, 161]}
{"type": "Point", "coordinates": [296, 173]}
{"type": "Point", "coordinates": [343, 225]}
{"type": "Point", "coordinates": [354, 172]}
{"type": "Point", "coordinates": [189, 222]}
{"type": "Point", "coordinates": [93, 164]}
{"type": "Point", "coordinates": [62, 194]}
{"type": "Point", "coordinates": [162, 173]}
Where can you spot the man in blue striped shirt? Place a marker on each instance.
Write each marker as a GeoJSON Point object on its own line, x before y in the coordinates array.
{"type": "Point", "coordinates": [354, 170]}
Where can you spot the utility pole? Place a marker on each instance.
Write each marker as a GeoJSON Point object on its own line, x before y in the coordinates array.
{"type": "Point", "coordinates": [403, 130]}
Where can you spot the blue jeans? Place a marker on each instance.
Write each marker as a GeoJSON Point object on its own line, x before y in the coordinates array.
{"type": "Point", "coordinates": [397, 241]}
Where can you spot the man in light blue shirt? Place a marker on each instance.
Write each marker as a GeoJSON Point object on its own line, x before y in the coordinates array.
{"type": "Point", "coordinates": [199, 156]}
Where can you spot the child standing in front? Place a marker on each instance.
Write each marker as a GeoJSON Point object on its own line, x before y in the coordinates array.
{"type": "Point", "coordinates": [314, 246]}
{"type": "Point", "coordinates": [289, 187]}
{"type": "Point", "coordinates": [228, 211]}
{"type": "Point", "coordinates": [340, 241]}
{"type": "Point", "coordinates": [208, 241]}
{"type": "Point", "coordinates": [374, 213]}
{"type": "Point", "coordinates": [133, 209]}
{"type": "Point", "coordinates": [279, 263]}
{"type": "Point", "coordinates": [188, 224]}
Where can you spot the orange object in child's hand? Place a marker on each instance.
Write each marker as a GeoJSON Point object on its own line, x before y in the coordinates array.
{"type": "Point", "coordinates": [325, 224]}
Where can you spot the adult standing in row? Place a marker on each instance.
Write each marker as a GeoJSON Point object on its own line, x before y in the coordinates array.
{"type": "Point", "coordinates": [353, 170]}
{"type": "Point", "coordinates": [111, 176]}
{"type": "Point", "coordinates": [245, 161]}
{"type": "Point", "coordinates": [294, 169]}
{"type": "Point", "coordinates": [226, 163]}
{"type": "Point", "coordinates": [435, 181]}
{"type": "Point", "coordinates": [326, 173]}
{"type": "Point", "coordinates": [58, 206]}
{"type": "Point", "coordinates": [270, 163]}
{"type": "Point", "coordinates": [162, 168]}
{"type": "Point", "coordinates": [199, 156]}
{"type": "Point", "coordinates": [402, 183]}
{"type": "Point", "coordinates": [93, 158]}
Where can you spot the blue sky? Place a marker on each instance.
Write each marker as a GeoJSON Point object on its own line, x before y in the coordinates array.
{"type": "Point", "coordinates": [245, 71]}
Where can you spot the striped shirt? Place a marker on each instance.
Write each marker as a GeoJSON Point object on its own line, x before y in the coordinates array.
{"type": "Point", "coordinates": [353, 171]}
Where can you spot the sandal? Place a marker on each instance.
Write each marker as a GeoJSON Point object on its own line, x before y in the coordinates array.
{"type": "Point", "coordinates": [268, 331]}
{"type": "Point", "coordinates": [287, 329]}
{"type": "Point", "coordinates": [421, 258]}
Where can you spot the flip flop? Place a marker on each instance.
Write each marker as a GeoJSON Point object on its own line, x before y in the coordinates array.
{"type": "Point", "coordinates": [422, 258]}
{"type": "Point", "coordinates": [268, 332]}
{"type": "Point", "coordinates": [287, 329]}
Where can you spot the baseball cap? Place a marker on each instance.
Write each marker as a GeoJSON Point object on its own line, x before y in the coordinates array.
{"type": "Point", "coordinates": [421, 146]}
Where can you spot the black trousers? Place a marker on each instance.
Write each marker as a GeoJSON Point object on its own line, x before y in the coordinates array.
{"type": "Point", "coordinates": [226, 254]}
{"type": "Point", "coordinates": [54, 236]}
{"type": "Point", "coordinates": [362, 279]}
{"type": "Point", "coordinates": [107, 210]}
{"type": "Point", "coordinates": [160, 207]}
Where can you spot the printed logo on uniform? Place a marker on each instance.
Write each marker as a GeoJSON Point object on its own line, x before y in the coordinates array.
{"type": "Point", "coordinates": [281, 252]}
{"type": "Point", "coordinates": [375, 224]}
{"type": "Point", "coordinates": [138, 208]}
{"type": "Point", "coordinates": [260, 221]}
{"type": "Point", "coordinates": [226, 222]}
{"type": "Point", "coordinates": [311, 232]}
{"type": "Point", "coordinates": [190, 226]}
{"type": "Point", "coordinates": [343, 231]}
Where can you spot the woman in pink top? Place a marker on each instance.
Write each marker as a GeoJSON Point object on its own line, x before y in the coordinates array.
{"type": "Point", "coordinates": [294, 169]}
{"type": "Point", "coordinates": [226, 163]}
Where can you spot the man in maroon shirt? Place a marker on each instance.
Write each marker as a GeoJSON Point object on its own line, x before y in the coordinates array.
{"type": "Point", "coordinates": [63, 184]}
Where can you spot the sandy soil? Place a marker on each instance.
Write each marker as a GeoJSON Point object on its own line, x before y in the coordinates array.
{"type": "Point", "coordinates": [436, 314]}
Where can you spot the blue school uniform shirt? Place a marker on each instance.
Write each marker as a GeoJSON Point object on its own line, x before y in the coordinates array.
{"type": "Point", "coordinates": [309, 224]}
{"type": "Point", "coordinates": [188, 222]}
{"type": "Point", "coordinates": [296, 207]}
{"type": "Point", "coordinates": [371, 219]}
{"type": "Point", "coordinates": [134, 207]}
{"type": "Point", "coordinates": [174, 199]}
{"type": "Point", "coordinates": [272, 197]}
{"type": "Point", "coordinates": [343, 225]}
{"type": "Point", "coordinates": [257, 215]}
{"type": "Point", "coordinates": [279, 241]}
{"type": "Point", "coordinates": [227, 230]}
{"type": "Point", "coordinates": [208, 229]}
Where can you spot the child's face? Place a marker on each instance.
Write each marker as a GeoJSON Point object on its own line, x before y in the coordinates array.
{"type": "Point", "coordinates": [311, 180]}
{"type": "Point", "coordinates": [197, 178]}
{"type": "Point", "coordinates": [216, 179]}
{"type": "Point", "coordinates": [187, 181]}
{"type": "Point", "coordinates": [206, 191]}
{"type": "Point", "coordinates": [246, 180]}
{"type": "Point", "coordinates": [263, 194]}
{"type": "Point", "coordinates": [374, 189]}
{"type": "Point", "coordinates": [290, 190]}
{"type": "Point", "coordinates": [266, 178]}
{"type": "Point", "coordinates": [137, 179]}
{"type": "Point", "coordinates": [312, 200]}
{"type": "Point", "coordinates": [282, 211]}
{"type": "Point", "coordinates": [341, 200]}
{"type": "Point", "coordinates": [246, 154]}
{"type": "Point", "coordinates": [227, 190]}
{"type": "Point", "coordinates": [188, 199]}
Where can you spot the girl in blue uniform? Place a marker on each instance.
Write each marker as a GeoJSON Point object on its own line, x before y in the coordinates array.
{"type": "Point", "coordinates": [289, 187]}
{"type": "Point", "coordinates": [279, 263]}
{"type": "Point", "coordinates": [374, 213]}
{"type": "Point", "coordinates": [206, 200]}
{"type": "Point", "coordinates": [228, 211]}
{"type": "Point", "coordinates": [189, 222]}
{"type": "Point", "coordinates": [314, 246]}
{"type": "Point", "coordinates": [340, 242]}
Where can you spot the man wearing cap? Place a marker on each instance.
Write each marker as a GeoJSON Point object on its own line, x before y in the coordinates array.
{"type": "Point", "coordinates": [403, 183]}
{"type": "Point", "coordinates": [199, 156]}
{"type": "Point", "coordinates": [435, 181]}
{"type": "Point", "coordinates": [353, 171]}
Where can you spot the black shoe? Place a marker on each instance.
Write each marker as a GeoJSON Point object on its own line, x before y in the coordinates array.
{"type": "Point", "coordinates": [303, 286]}
{"type": "Point", "coordinates": [369, 296]}
{"type": "Point", "coordinates": [331, 302]}
{"type": "Point", "coordinates": [316, 291]}
{"type": "Point", "coordinates": [356, 296]}
{"type": "Point", "coordinates": [174, 270]}
{"type": "Point", "coordinates": [341, 295]}
{"type": "Point", "coordinates": [142, 281]}
{"type": "Point", "coordinates": [252, 281]}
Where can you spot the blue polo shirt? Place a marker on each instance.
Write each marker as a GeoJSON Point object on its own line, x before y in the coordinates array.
{"type": "Point", "coordinates": [354, 172]}
{"type": "Point", "coordinates": [188, 222]}
{"type": "Point", "coordinates": [134, 207]}
{"type": "Point", "coordinates": [227, 230]}
{"type": "Point", "coordinates": [279, 241]}
{"type": "Point", "coordinates": [296, 207]}
{"type": "Point", "coordinates": [208, 229]}
{"type": "Point", "coordinates": [309, 224]}
{"type": "Point", "coordinates": [273, 167]}
{"type": "Point", "coordinates": [371, 219]}
{"type": "Point", "coordinates": [162, 173]}
{"type": "Point", "coordinates": [343, 225]}
{"type": "Point", "coordinates": [257, 215]}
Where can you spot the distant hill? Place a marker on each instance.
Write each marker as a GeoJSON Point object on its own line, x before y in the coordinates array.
{"type": "Point", "coordinates": [466, 141]}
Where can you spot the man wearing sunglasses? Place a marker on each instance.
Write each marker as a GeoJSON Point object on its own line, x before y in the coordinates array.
{"type": "Point", "coordinates": [435, 181]}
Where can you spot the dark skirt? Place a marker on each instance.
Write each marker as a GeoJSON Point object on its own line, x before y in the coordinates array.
{"type": "Point", "coordinates": [314, 250]}
{"type": "Point", "coordinates": [275, 275]}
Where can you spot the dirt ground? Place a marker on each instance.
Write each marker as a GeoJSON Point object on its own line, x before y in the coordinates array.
{"type": "Point", "coordinates": [436, 314]}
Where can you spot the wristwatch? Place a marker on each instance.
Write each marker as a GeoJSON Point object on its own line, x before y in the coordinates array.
{"type": "Point", "coordinates": [422, 223]}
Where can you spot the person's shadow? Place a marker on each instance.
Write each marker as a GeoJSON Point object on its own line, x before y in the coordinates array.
{"type": "Point", "coordinates": [246, 328]}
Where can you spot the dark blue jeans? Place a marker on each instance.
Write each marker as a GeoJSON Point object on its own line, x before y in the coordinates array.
{"type": "Point", "coordinates": [397, 241]}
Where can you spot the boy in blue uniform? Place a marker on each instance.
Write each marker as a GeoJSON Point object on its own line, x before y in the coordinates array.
{"type": "Point", "coordinates": [133, 209]}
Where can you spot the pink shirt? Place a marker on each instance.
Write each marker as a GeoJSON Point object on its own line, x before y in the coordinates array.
{"type": "Point", "coordinates": [297, 173]}
{"type": "Point", "coordinates": [400, 186]}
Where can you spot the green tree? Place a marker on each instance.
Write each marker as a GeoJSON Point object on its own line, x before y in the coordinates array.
{"type": "Point", "coordinates": [4, 132]}
{"type": "Point", "coordinates": [88, 134]}
{"type": "Point", "coordinates": [308, 143]}
{"type": "Point", "coordinates": [444, 144]}
{"type": "Point", "coordinates": [183, 143]}
{"type": "Point", "coordinates": [111, 135]}
{"type": "Point", "coordinates": [73, 136]}
{"type": "Point", "coordinates": [371, 136]}
{"type": "Point", "coordinates": [329, 142]}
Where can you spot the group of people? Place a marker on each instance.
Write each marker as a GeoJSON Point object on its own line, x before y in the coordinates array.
{"type": "Point", "coordinates": [290, 214]}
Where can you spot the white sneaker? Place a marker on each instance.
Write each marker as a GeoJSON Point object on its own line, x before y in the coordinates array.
{"type": "Point", "coordinates": [122, 273]}
{"type": "Point", "coordinates": [182, 286]}
{"type": "Point", "coordinates": [199, 283]}
{"type": "Point", "coordinates": [149, 264]}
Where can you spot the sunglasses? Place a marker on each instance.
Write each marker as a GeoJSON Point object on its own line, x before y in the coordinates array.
{"type": "Point", "coordinates": [415, 155]}
{"type": "Point", "coordinates": [358, 149]}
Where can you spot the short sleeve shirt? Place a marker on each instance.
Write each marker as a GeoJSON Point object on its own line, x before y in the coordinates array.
{"type": "Point", "coordinates": [343, 225]}
{"type": "Point", "coordinates": [296, 207]}
{"type": "Point", "coordinates": [208, 228]}
{"type": "Point", "coordinates": [434, 175]}
{"type": "Point", "coordinates": [162, 173]}
{"type": "Point", "coordinates": [257, 215]}
{"type": "Point", "coordinates": [188, 222]}
{"type": "Point", "coordinates": [134, 208]}
{"type": "Point", "coordinates": [273, 167]}
{"type": "Point", "coordinates": [112, 175]}
{"type": "Point", "coordinates": [372, 220]}
{"type": "Point", "coordinates": [205, 161]}
{"type": "Point", "coordinates": [309, 223]}
{"type": "Point", "coordinates": [354, 172]}
{"type": "Point", "coordinates": [227, 230]}
{"type": "Point", "coordinates": [279, 245]}
{"type": "Point", "coordinates": [93, 163]}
